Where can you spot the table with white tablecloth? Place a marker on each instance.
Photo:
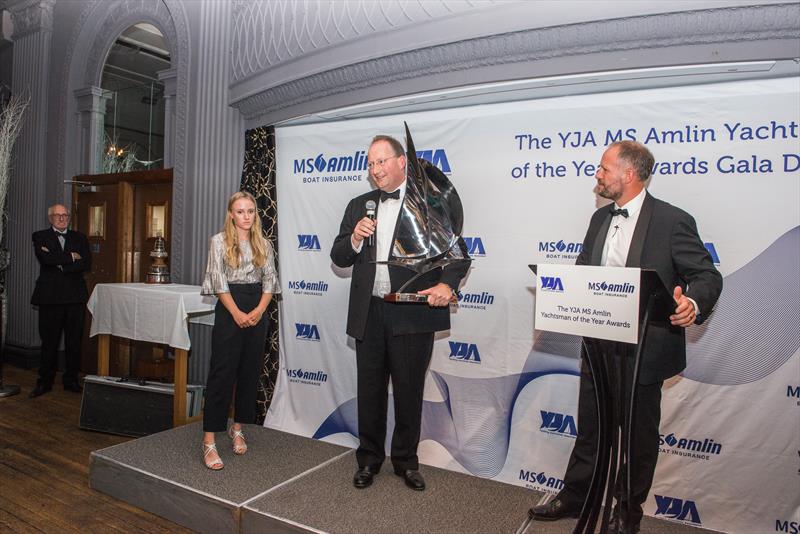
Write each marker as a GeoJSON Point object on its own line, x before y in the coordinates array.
{"type": "Point", "coordinates": [157, 313]}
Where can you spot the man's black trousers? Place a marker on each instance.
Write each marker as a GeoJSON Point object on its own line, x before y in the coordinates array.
{"type": "Point", "coordinates": [644, 429]}
{"type": "Point", "coordinates": [404, 359]}
{"type": "Point", "coordinates": [53, 320]}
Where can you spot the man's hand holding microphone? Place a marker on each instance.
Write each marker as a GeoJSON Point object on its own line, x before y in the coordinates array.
{"type": "Point", "coordinates": [365, 228]}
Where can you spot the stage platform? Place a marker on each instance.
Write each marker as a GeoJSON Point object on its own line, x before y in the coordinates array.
{"type": "Point", "coordinates": [291, 484]}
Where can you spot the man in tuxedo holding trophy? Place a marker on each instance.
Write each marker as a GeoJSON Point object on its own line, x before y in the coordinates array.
{"type": "Point", "coordinates": [379, 238]}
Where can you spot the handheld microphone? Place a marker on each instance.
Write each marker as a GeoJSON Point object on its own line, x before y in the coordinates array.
{"type": "Point", "coordinates": [371, 215]}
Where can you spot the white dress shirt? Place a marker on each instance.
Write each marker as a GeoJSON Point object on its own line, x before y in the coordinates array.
{"type": "Point", "coordinates": [620, 232]}
{"type": "Point", "coordinates": [386, 215]}
{"type": "Point", "coordinates": [62, 239]}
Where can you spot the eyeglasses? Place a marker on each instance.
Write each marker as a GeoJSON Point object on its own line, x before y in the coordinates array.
{"type": "Point", "coordinates": [380, 162]}
{"type": "Point", "coordinates": [60, 215]}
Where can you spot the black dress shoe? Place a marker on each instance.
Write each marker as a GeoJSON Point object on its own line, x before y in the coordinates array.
{"type": "Point", "coordinates": [552, 511]}
{"type": "Point", "coordinates": [412, 478]}
{"type": "Point", "coordinates": [363, 477]}
{"type": "Point", "coordinates": [620, 526]}
{"type": "Point", "coordinates": [73, 387]}
{"type": "Point", "coordinates": [39, 390]}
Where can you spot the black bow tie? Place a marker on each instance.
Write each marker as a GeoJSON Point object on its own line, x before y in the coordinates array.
{"type": "Point", "coordinates": [64, 233]}
{"type": "Point", "coordinates": [394, 194]}
{"type": "Point", "coordinates": [622, 211]}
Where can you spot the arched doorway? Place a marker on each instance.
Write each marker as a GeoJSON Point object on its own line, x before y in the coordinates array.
{"type": "Point", "coordinates": [126, 206]}
{"type": "Point", "coordinates": [135, 111]}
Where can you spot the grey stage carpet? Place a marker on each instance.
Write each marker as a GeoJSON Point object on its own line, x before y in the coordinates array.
{"type": "Point", "coordinates": [288, 483]}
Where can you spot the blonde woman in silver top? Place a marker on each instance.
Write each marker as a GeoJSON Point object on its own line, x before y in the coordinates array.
{"type": "Point", "coordinates": [241, 273]}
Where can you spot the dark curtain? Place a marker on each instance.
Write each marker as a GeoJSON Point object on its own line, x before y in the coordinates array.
{"type": "Point", "coordinates": [258, 178]}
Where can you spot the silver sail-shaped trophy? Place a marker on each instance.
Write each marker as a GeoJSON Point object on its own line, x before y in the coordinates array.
{"type": "Point", "coordinates": [428, 230]}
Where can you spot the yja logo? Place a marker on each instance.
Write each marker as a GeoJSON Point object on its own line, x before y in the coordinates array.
{"type": "Point", "coordinates": [679, 509]}
{"type": "Point", "coordinates": [307, 332]}
{"type": "Point", "coordinates": [464, 352]}
{"type": "Point", "coordinates": [552, 283]}
{"type": "Point", "coordinates": [558, 423]}
{"type": "Point", "coordinates": [308, 242]}
{"type": "Point", "coordinates": [713, 251]}
{"type": "Point", "coordinates": [437, 157]}
{"type": "Point", "coordinates": [475, 246]}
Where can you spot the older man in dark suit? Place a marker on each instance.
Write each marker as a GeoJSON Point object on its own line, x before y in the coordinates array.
{"type": "Point", "coordinates": [638, 230]}
{"type": "Point", "coordinates": [61, 296]}
{"type": "Point", "coordinates": [393, 340]}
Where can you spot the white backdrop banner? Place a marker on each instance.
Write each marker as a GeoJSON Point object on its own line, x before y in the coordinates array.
{"type": "Point", "coordinates": [501, 398]}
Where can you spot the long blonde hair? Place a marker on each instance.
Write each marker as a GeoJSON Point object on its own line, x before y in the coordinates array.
{"type": "Point", "coordinates": [257, 242]}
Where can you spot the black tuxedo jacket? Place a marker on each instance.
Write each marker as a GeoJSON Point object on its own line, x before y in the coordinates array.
{"type": "Point", "coordinates": [61, 279]}
{"type": "Point", "coordinates": [665, 239]}
{"type": "Point", "coordinates": [406, 318]}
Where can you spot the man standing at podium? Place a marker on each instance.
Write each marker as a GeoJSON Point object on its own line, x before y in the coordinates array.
{"type": "Point", "coordinates": [637, 230]}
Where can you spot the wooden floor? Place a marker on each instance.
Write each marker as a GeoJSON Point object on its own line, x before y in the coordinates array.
{"type": "Point", "coordinates": [44, 468]}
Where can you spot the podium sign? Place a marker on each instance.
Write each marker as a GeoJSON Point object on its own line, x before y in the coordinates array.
{"type": "Point", "coordinates": [590, 301]}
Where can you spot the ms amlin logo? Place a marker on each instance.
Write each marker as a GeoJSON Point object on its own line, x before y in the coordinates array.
{"type": "Point", "coordinates": [308, 242]}
{"type": "Point", "coordinates": [789, 527]}
{"type": "Point", "coordinates": [332, 168]}
{"type": "Point", "coordinates": [475, 301]}
{"type": "Point", "coordinates": [314, 378]}
{"type": "Point", "coordinates": [306, 332]}
{"type": "Point", "coordinates": [793, 392]}
{"type": "Point", "coordinates": [352, 167]}
{"type": "Point", "coordinates": [539, 480]}
{"type": "Point", "coordinates": [464, 352]}
{"type": "Point", "coordinates": [308, 288]}
{"type": "Point", "coordinates": [678, 509]}
{"type": "Point", "coordinates": [558, 423]}
{"type": "Point", "coordinates": [605, 287]}
{"type": "Point", "coordinates": [560, 249]}
{"type": "Point", "coordinates": [701, 449]}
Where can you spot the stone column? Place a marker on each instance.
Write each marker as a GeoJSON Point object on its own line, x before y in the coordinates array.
{"type": "Point", "coordinates": [32, 36]}
{"type": "Point", "coordinates": [92, 111]}
{"type": "Point", "coordinates": [169, 78]}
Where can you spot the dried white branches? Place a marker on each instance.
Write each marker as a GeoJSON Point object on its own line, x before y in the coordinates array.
{"type": "Point", "coordinates": [10, 126]}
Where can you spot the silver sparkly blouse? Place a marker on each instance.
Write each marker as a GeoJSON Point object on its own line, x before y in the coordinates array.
{"type": "Point", "coordinates": [219, 274]}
